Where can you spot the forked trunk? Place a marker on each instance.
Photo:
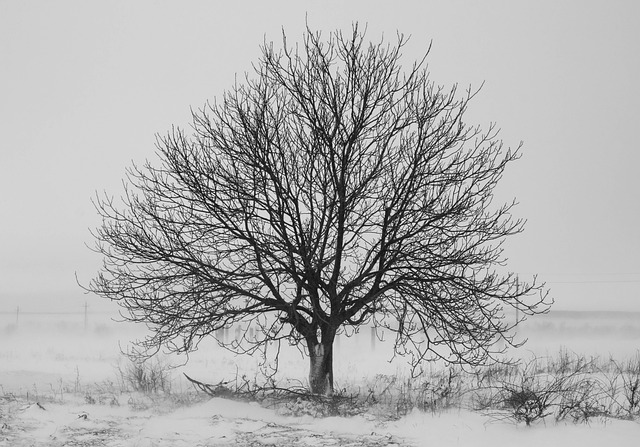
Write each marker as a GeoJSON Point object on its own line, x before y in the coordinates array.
{"type": "Point", "coordinates": [321, 368]}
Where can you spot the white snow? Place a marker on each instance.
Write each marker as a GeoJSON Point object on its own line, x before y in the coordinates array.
{"type": "Point", "coordinates": [58, 369]}
{"type": "Point", "coordinates": [224, 422]}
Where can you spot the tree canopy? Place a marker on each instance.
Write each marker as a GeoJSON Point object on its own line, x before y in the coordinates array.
{"type": "Point", "coordinates": [329, 189]}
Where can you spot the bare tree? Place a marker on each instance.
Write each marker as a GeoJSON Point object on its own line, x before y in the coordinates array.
{"type": "Point", "coordinates": [329, 190]}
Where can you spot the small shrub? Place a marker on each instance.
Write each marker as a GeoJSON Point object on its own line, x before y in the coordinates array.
{"type": "Point", "coordinates": [146, 376]}
{"type": "Point", "coordinates": [626, 381]}
{"type": "Point", "coordinates": [526, 402]}
{"type": "Point", "coordinates": [440, 390]}
{"type": "Point", "coordinates": [583, 401]}
{"type": "Point", "coordinates": [564, 385]}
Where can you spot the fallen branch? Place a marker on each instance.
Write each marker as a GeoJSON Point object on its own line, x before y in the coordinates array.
{"type": "Point", "coordinates": [219, 390]}
{"type": "Point", "coordinates": [246, 391]}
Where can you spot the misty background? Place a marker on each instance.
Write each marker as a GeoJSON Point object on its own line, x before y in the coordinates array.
{"type": "Point", "coordinates": [86, 86]}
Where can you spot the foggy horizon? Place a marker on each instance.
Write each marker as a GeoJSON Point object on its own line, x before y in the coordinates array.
{"type": "Point", "coordinates": [84, 95]}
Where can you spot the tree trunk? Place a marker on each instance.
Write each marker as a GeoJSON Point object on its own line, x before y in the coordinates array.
{"type": "Point", "coordinates": [321, 368]}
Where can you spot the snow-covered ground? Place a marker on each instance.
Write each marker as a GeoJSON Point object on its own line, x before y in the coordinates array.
{"type": "Point", "coordinates": [219, 422]}
{"type": "Point", "coordinates": [59, 385]}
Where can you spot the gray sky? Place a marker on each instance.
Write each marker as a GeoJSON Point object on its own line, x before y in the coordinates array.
{"type": "Point", "coordinates": [85, 86]}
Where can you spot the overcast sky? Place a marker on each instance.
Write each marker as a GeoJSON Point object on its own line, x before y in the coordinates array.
{"type": "Point", "coordinates": [85, 86]}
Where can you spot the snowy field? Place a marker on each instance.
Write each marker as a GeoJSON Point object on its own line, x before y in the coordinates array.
{"type": "Point", "coordinates": [60, 384]}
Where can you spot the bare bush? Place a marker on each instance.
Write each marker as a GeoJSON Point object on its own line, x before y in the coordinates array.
{"type": "Point", "coordinates": [625, 386]}
{"type": "Point", "coordinates": [583, 401]}
{"type": "Point", "coordinates": [146, 376]}
{"type": "Point", "coordinates": [567, 386]}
